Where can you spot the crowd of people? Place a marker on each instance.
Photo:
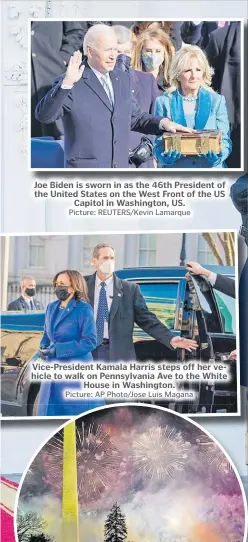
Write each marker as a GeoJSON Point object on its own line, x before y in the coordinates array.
{"type": "Point", "coordinates": [110, 90]}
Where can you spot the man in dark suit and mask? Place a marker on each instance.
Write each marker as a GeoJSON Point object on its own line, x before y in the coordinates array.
{"type": "Point", "coordinates": [118, 305]}
{"type": "Point", "coordinates": [27, 301]}
{"type": "Point", "coordinates": [218, 281]}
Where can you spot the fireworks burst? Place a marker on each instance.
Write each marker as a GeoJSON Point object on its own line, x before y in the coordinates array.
{"type": "Point", "coordinates": [213, 455]}
{"type": "Point", "coordinates": [98, 462]}
{"type": "Point", "coordinates": [52, 459]}
{"type": "Point", "coordinates": [159, 453]}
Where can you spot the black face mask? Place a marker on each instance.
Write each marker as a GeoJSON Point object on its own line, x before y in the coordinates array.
{"type": "Point", "coordinates": [62, 292]}
{"type": "Point", "coordinates": [123, 62]}
{"type": "Point", "coordinates": [30, 292]}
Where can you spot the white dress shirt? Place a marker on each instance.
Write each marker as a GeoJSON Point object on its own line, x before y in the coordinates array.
{"type": "Point", "coordinates": [109, 287]}
{"type": "Point", "coordinates": [212, 278]}
{"type": "Point", "coordinates": [106, 76]}
{"type": "Point", "coordinates": [28, 302]}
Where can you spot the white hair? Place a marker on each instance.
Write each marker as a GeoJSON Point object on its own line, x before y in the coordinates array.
{"type": "Point", "coordinates": [24, 279]}
{"type": "Point", "coordinates": [123, 34]}
{"type": "Point", "coordinates": [93, 34]}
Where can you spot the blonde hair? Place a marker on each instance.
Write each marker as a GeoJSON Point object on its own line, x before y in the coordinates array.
{"type": "Point", "coordinates": [181, 62]}
{"type": "Point", "coordinates": [163, 38]}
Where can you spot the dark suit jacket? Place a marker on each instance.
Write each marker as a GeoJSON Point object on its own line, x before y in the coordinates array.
{"type": "Point", "coordinates": [239, 195]}
{"type": "Point", "coordinates": [128, 307]}
{"type": "Point", "coordinates": [225, 285]}
{"type": "Point", "coordinates": [52, 42]}
{"type": "Point", "coordinates": [175, 34]}
{"type": "Point", "coordinates": [21, 305]}
{"type": "Point", "coordinates": [145, 91]}
{"type": "Point", "coordinates": [96, 135]}
{"type": "Point", "coordinates": [223, 52]}
{"type": "Point", "coordinates": [193, 34]}
{"type": "Point", "coordinates": [243, 324]}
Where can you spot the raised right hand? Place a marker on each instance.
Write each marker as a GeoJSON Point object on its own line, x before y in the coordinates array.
{"type": "Point", "coordinates": [74, 70]}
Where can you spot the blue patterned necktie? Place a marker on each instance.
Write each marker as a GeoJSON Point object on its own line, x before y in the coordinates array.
{"type": "Point", "coordinates": [32, 307]}
{"type": "Point", "coordinates": [102, 314]}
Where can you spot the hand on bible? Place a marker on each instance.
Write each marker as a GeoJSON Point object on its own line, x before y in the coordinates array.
{"type": "Point", "coordinates": [170, 126]}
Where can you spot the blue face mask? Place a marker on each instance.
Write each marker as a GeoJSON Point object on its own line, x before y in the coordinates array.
{"type": "Point", "coordinates": [152, 61]}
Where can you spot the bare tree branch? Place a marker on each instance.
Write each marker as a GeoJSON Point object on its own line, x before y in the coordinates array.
{"type": "Point", "coordinates": [211, 243]}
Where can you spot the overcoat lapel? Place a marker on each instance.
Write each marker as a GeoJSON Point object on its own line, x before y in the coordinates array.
{"type": "Point", "coordinates": [118, 294]}
{"type": "Point", "coordinates": [177, 112]}
{"type": "Point", "coordinates": [64, 313]}
{"type": "Point", "coordinates": [203, 109]}
{"type": "Point", "coordinates": [91, 80]}
{"type": "Point", "coordinates": [24, 304]}
{"type": "Point", "coordinates": [91, 281]}
{"type": "Point", "coordinates": [116, 88]}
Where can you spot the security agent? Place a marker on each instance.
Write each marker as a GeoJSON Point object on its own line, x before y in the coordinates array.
{"type": "Point", "coordinates": [219, 282]}
{"type": "Point", "coordinates": [27, 301]}
{"type": "Point", "coordinates": [96, 105]}
{"type": "Point", "coordinates": [118, 305]}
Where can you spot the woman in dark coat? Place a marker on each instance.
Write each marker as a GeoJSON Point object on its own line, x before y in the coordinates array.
{"type": "Point", "coordinates": [69, 336]}
{"type": "Point", "coordinates": [144, 88]}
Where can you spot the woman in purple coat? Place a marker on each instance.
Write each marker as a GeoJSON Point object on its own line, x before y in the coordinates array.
{"type": "Point", "coordinates": [69, 336]}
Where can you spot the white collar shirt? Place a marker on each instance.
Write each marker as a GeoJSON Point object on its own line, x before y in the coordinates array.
{"type": "Point", "coordinates": [107, 79]}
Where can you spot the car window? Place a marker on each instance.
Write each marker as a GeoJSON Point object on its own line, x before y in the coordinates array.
{"type": "Point", "coordinates": [161, 300]}
{"type": "Point", "coordinates": [19, 346]}
{"type": "Point", "coordinates": [226, 306]}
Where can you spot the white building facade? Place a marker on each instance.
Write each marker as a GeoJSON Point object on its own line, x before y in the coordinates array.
{"type": "Point", "coordinates": [42, 256]}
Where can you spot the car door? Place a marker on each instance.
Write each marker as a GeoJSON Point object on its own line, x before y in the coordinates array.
{"type": "Point", "coordinates": [20, 337]}
{"type": "Point", "coordinates": [16, 350]}
{"type": "Point", "coordinates": [215, 345]}
{"type": "Point", "coordinates": [161, 298]}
